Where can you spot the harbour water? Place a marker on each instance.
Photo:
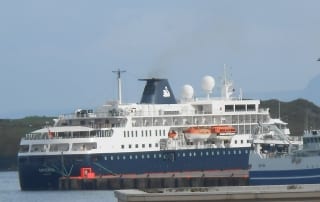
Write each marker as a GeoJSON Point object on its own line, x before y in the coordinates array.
{"type": "Point", "coordinates": [10, 191]}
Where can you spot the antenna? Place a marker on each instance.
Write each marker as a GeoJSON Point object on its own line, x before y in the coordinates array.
{"type": "Point", "coordinates": [118, 72]}
{"type": "Point", "coordinates": [279, 110]}
{"type": "Point", "coordinates": [227, 89]}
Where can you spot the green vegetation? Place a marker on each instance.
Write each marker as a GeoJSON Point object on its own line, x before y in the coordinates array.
{"type": "Point", "coordinates": [299, 114]}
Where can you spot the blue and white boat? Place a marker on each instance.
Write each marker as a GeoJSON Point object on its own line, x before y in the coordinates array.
{"type": "Point", "coordinates": [144, 138]}
{"type": "Point", "coordinates": [298, 166]}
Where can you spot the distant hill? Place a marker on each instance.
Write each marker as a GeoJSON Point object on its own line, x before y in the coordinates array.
{"type": "Point", "coordinates": [299, 114]}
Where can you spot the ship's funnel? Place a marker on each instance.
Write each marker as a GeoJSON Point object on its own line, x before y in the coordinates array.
{"type": "Point", "coordinates": [157, 91]}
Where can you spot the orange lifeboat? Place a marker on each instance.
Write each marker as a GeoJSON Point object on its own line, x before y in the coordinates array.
{"type": "Point", "coordinates": [172, 134]}
{"type": "Point", "coordinates": [197, 133]}
{"type": "Point", "coordinates": [223, 130]}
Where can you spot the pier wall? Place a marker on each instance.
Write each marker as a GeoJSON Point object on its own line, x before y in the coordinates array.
{"type": "Point", "coordinates": [160, 180]}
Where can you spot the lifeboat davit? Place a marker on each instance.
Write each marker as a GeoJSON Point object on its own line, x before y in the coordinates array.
{"type": "Point", "coordinates": [223, 130]}
{"type": "Point", "coordinates": [197, 133]}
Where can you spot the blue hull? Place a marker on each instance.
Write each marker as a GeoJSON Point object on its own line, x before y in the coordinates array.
{"type": "Point", "coordinates": [43, 172]}
{"type": "Point", "coordinates": [305, 176]}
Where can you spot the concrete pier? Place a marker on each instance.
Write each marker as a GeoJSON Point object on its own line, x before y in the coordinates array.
{"type": "Point", "coordinates": [274, 193]}
{"type": "Point", "coordinates": [157, 180]}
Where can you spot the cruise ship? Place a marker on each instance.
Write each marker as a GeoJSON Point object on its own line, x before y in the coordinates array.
{"type": "Point", "coordinates": [160, 134]}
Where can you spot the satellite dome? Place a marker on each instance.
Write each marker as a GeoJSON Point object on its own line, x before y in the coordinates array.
{"type": "Point", "coordinates": [187, 92]}
{"type": "Point", "coordinates": [207, 83]}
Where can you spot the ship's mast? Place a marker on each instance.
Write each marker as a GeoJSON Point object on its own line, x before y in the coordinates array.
{"type": "Point", "coordinates": [118, 72]}
{"type": "Point", "coordinates": [227, 89]}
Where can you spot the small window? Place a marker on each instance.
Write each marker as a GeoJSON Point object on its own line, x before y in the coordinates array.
{"type": "Point", "coordinates": [150, 145]}
{"type": "Point", "coordinates": [156, 145]}
{"type": "Point", "coordinates": [143, 145]}
{"type": "Point", "coordinates": [251, 107]}
{"type": "Point", "coordinates": [122, 146]}
{"type": "Point", "coordinates": [137, 146]}
{"type": "Point", "coordinates": [129, 146]}
{"type": "Point", "coordinates": [24, 148]}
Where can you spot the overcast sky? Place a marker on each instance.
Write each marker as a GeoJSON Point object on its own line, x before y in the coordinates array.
{"type": "Point", "coordinates": [56, 56]}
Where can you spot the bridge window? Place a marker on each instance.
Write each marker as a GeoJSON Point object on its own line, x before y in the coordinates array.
{"type": "Point", "coordinates": [228, 108]}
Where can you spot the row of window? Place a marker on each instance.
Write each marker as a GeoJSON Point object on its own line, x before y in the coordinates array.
{"type": "Point", "coordinates": [241, 141]}
{"type": "Point", "coordinates": [145, 133]}
{"type": "Point", "coordinates": [311, 140]}
{"type": "Point", "coordinates": [137, 146]}
{"type": "Point", "coordinates": [58, 147]}
{"type": "Point", "coordinates": [179, 154]}
{"type": "Point", "coordinates": [237, 108]}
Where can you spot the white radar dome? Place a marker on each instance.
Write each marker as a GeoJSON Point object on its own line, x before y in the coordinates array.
{"type": "Point", "coordinates": [207, 83]}
{"type": "Point", "coordinates": [187, 92]}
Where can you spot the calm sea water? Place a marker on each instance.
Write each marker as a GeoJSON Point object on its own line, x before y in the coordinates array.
{"type": "Point", "coordinates": [10, 191]}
